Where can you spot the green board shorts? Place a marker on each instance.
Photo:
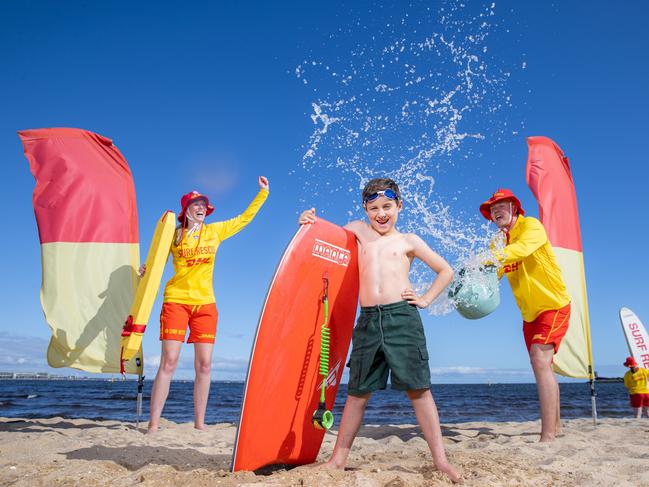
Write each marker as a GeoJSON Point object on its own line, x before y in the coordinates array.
{"type": "Point", "coordinates": [388, 339]}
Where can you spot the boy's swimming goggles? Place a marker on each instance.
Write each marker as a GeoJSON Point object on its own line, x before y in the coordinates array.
{"type": "Point", "coordinates": [388, 193]}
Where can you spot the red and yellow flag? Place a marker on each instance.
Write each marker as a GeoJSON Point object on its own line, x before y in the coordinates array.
{"type": "Point", "coordinates": [548, 176]}
{"type": "Point", "coordinates": [84, 201]}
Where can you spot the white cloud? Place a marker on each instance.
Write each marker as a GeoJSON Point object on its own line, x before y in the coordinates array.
{"type": "Point", "coordinates": [478, 375]}
{"type": "Point", "coordinates": [215, 179]}
{"type": "Point", "coordinates": [223, 368]}
{"type": "Point", "coordinates": [214, 174]}
{"type": "Point", "coordinates": [22, 353]}
{"type": "Point", "coordinates": [231, 365]}
{"type": "Point", "coordinates": [467, 370]}
{"type": "Point", "coordinates": [456, 370]}
{"type": "Point", "coordinates": [151, 361]}
{"type": "Point", "coordinates": [29, 354]}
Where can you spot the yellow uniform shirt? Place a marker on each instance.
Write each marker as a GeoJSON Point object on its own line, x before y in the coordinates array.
{"type": "Point", "coordinates": [532, 270]}
{"type": "Point", "coordinates": [193, 257]}
{"type": "Point", "coordinates": [637, 383]}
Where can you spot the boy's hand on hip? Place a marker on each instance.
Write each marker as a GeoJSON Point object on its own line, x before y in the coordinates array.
{"type": "Point", "coordinates": [307, 216]}
{"type": "Point", "coordinates": [412, 298]}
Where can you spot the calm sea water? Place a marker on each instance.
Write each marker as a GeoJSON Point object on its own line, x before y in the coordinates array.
{"type": "Point", "coordinates": [98, 399]}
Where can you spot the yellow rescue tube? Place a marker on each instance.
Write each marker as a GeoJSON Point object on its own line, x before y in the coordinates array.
{"type": "Point", "coordinates": [148, 287]}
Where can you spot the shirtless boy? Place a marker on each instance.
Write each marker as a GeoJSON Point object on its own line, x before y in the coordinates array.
{"type": "Point", "coordinates": [389, 335]}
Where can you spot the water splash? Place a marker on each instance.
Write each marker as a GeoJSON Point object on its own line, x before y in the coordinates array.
{"type": "Point", "coordinates": [412, 94]}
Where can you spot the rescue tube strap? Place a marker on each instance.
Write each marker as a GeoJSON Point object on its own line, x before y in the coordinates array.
{"type": "Point", "coordinates": [130, 327]}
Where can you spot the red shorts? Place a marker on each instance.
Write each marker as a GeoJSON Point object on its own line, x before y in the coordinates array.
{"type": "Point", "coordinates": [639, 400]}
{"type": "Point", "coordinates": [548, 327]}
{"type": "Point", "coordinates": [201, 319]}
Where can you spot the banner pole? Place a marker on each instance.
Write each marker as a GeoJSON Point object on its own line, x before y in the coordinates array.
{"type": "Point", "coordinates": [138, 403]}
{"type": "Point", "coordinates": [593, 395]}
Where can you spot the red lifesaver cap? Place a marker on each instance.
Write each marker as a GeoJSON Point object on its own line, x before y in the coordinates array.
{"type": "Point", "coordinates": [188, 199]}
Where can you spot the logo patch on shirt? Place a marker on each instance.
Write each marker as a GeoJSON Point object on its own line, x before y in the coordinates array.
{"type": "Point", "coordinates": [538, 336]}
{"type": "Point", "coordinates": [330, 252]}
{"type": "Point", "coordinates": [511, 267]}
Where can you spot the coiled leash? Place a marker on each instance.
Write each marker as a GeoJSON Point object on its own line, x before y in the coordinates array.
{"type": "Point", "coordinates": [323, 418]}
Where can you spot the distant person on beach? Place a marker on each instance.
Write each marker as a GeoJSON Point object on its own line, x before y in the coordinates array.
{"type": "Point", "coordinates": [635, 380]}
{"type": "Point", "coordinates": [189, 297]}
{"type": "Point", "coordinates": [389, 335]}
{"type": "Point", "coordinates": [540, 292]}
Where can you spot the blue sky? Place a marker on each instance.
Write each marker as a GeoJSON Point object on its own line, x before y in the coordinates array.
{"type": "Point", "coordinates": [206, 96]}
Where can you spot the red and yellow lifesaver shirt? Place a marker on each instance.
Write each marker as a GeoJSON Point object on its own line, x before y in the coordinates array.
{"type": "Point", "coordinates": [193, 257]}
{"type": "Point", "coordinates": [532, 270]}
{"type": "Point", "coordinates": [637, 383]}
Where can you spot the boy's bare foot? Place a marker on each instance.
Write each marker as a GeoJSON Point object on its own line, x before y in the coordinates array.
{"type": "Point", "coordinates": [330, 465]}
{"type": "Point", "coordinates": [151, 430]}
{"type": "Point", "coordinates": [547, 438]}
{"type": "Point", "coordinates": [200, 427]}
{"type": "Point", "coordinates": [450, 472]}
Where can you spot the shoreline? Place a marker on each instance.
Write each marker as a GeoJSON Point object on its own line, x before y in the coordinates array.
{"type": "Point", "coordinates": [45, 376]}
{"type": "Point", "coordinates": [70, 452]}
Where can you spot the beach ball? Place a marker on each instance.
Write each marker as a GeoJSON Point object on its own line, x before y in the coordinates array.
{"type": "Point", "coordinates": [475, 292]}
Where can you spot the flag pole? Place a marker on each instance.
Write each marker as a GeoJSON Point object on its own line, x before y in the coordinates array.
{"type": "Point", "coordinates": [139, 359]}
{"type": "Point", "coordinates": [138, 403]}
{"type": "Point", "coordinates": [589, 345]}
{"type": "Point", "coordinates": [593, 395]}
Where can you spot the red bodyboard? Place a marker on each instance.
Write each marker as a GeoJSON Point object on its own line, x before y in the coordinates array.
{"type": "Point", "coordinates": [282, 388]}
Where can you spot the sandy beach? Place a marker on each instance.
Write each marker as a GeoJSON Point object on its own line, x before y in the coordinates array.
{"type": "Point", "coordinates": [64, 452]}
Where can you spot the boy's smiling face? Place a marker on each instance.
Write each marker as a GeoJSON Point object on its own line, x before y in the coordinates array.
{"type": "Point", "coordinates": [383, 213]}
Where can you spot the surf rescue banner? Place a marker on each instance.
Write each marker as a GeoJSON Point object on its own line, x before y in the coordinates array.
{"type": "Point", "coordinates": [84, 202]}
{"type": "Point", "coordinates": [636, 337]}
{"type": "Point", "coordinates": [548, 176]}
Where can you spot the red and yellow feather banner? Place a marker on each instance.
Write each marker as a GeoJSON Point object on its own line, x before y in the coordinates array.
{"type": "Point", "coordinates": [85, 207]}
{"type": "Point", "coordinates": [548, 176]}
